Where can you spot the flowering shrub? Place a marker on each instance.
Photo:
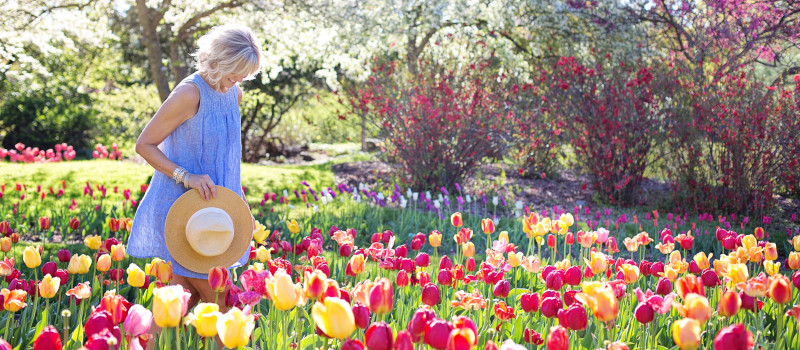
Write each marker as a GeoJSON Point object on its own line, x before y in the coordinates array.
{"type": "Point", "coordinates": [613, 114]}
{"type": "Point", "coordinates": [444, 121]}
{"type": "Point", "coordinates": [738, 144]}
{"type": "Point", "coordinates": [23, 154]}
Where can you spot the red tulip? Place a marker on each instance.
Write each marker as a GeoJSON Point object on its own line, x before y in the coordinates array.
{"type": "Point", "coordinates": [749, 303]}
{"type": "Point", "coordinates": [352, 344]}
{"type": "Point", "coordinates": [345, 251]}
{"type": "Point", "coordinates": [664, 286]}
{"type": "Point", "coordinates": [430, 294]}
{"type": "Point", "coordinates": [461, 339]}
{"type": "Point", "coordinates": [64, 255]}
{"type": "Point", "coordinates": [573, 276]}
{"type": "Point", "coordinates": [116, 306]}
{"type": "Point", "coordinates": [402, 279]}
{"type": "Point", "coordinates": [796, 279]}
{"type": "Point", "coordinates": [780, 290]}
{"type": "Point", "coordinates": [102, 340]}
{"type": "Point", "coordinates": [49, 339]}
{"type": "Point", "coordinates": [490, 345]}
{"type": "Point", "coordinates": [710, 278]}
{"type": "Point", "coordinates": [438, 333]}
{"type": "Point", "coordinates": [550, 306]}
{"type": "Point", "coordinates": [403, 341]}
{"type": "Point", "coordinates": [379, 336]}
{"type": "Point", "coordinates": [555, 280]}
{"type": "Point", "coordinates": [503, 312]}
{"type": "Point", "coordinates": [419, 323]}
{"type": "Point", "coordinates": [501, 289]}
{"type": "Point", "coordinates": [729, 303]}
{"type": "Point", "coordinates": [4, 345]}
{"type": "Point", "coordinates": [380, 297]}
{"type": "Point", "coordinates": [532, 337]}
{"type": "Point", "coordinates": [644, 313]}
{"type": "Point", "coordinates": [422, 260]}
{"type": "Point", "coordinates": [49, 268]}
{"type": "Point", "coordinates": [445, 277]}
{"type": "Point", "coordinates": [445, 263]}
{"type": "Point", "coordinates": [576, 318]}
{"type": "Point", "coordinates": [44, 223]}
{"type": "Point", "coordinates": [551, 241]}
{"type": "Point", "coordinates": [97, 322]}
{"type": "Point", "coordinates": [734, 337]}
{"type": "Point", "coordinates": [558, 339]}
{"type": "Point", "coordinates": [361, 315]}
{"type": "Point", "coordinates": [529, 302]}
{"type": "Point", "coordinates": [74, 223]}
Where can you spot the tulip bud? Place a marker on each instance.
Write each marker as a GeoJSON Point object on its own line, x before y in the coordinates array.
{"type": "Point", "coordinates": [734, 337]}
{"type": "Point", "coordinates": [48, 339]}
{"type": "Point", "coordinates": [554, 280]}
{"type": "Point", "coordinates": [644, 313]}
{"type": "Point", "coordinates": [501, 289]}
{"type": "Point", "coordinates": [381, 297]}
{"type": "Point", "coordinates": [438, 333]}
{"type": "Point", "coordinates": [550, 306]}
{"type": "Point", "coordinates": [529, 302]}
{"type": "Point", "coordinates": [780, 290]}
{"type": "Point", "coordinates": [361, 316]}
{"type": "Point", "coordinates": [430, 294]}
{"type": "Point", "coordinates": [401, 251]}
{"type": "Point", "coordinates": [445, 277]}
{"type": "Point", "coordinates": [664, 286]}
{"type": "Point", "coordinates": [64, 255]}
{"type": "Point", "coordinates": [558, 339]}
{"type": "Point", "coordinates": [49, 268]}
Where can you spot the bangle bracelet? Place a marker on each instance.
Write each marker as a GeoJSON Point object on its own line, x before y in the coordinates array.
{"type": "Point", "coordinates": [178, 174]}
{"type": "Point", "coordinates": [186, 181]}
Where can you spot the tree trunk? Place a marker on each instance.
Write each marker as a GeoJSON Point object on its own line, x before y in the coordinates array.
{"type": "Point", "coordinates": [154, 55]}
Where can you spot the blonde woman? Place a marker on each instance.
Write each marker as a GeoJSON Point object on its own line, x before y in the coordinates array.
{"type": "Point", "coordinates": [193, 142]}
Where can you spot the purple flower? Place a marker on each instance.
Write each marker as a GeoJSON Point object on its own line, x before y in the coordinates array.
{"type": "Point", "coordinates": [296, 194]}
{"type": "Point", "coordinates": [444, 191]}
{"type": "Point", "coordinates": [305, 183]}
{"type": "Point", "coordinates": [503, 201]}
{"type": "Point", "coordinates": [312, 192]}
{"type": "Point", "coordinates": [483, 199]}
{"type": "Point", "coordinates": [446, 201]}
{"type": "Point", "coordinates": [397, 187]}
{"type": "Point", "coordinates": [460, 201]}
{"type": "Point", "coordinates": [458, 187]}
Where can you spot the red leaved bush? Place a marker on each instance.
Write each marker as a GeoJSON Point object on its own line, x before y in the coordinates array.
{"type": "Point", "coordinates": [613, 114]}
{"type": "Point", "coordinates": [738, 144]}
{"type": "Point", "coordinates": [441, 123]}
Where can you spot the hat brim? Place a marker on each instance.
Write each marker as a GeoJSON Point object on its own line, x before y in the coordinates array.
{"type": "Point", "coordinates": [175, 229]}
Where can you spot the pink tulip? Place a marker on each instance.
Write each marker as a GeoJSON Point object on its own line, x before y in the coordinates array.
{"type": "Point", "coordinates": [49, 339]}
{"type": "Point", "coordinates": [138, 321]}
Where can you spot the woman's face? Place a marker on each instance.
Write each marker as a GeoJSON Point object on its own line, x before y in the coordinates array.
{"type": "Point", "coordinates": [228, 81]}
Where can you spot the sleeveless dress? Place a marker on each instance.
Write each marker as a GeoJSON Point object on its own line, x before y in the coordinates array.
{"type": "Point", "coordinates": [208, 143]}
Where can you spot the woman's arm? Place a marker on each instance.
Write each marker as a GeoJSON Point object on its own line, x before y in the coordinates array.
{"type": "Point", "coordinates": [181, 105]}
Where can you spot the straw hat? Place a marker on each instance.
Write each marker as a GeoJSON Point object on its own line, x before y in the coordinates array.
{"type": "Point", "coordinates": [202, 234]}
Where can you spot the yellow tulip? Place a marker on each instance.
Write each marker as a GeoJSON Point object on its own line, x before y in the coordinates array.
{"type": "Point", "coordinates": [503, 236]}
{"type": "Point", "coordinates": [169, 305]}
{"type": "Point", "coordinates": [294, 228]}
{"type": "Point", "coordinates": [630, 273]}
{"type": "Point", "coordinates": [136, 276]}
{"type": "Point", "coordinates": [695, 306]}
{"type": "Point", "coordinates": [563, 264]}
{"type": "Point", "coordinates": [118, 252]}
{"type": "Point", "coordinates": [204, 319]}
{"type": "Point", "coordinates": [468, 249]}
{"type": "Point", "coordinates": [541, 228]}
{"type": "Point", "coordinates": [600, 298]}
{"type": "Point", "coordinates": [260, 233]}
{"type": "Point", "coordinates": [771, 267]}
{"type": "Point", "coordinates": [598, 263]}
{"type": "Point", "coordinates": [749, 242]}
{"type": "Point", "coordinates": [31, 257]}
{"type": "Point", "coordinates": [515, 258]}
{"type": "Point", "coordinates": [262, 254]}
{"type": "Point", "coordinates": [670, 273]}
{"type": "Point", "coordinates": [334, 317]}
{"type": "Point", "coordinates": [356, 264]}
{"type": "Point", "coordinates": [282, 291]}
{"type": "Point", "coordinates": [702, 260]}
{"type": "Point", "coordinates": [770, 251]}
{"type": "Point", "coordinates": [737, 273]}
{"type": "Point", "coordinates": [795, 241]}
{"type": "Point", "coordinates": [686, 333]}
{"type": "Point", "coordinates": [103, 263]}
{"type": "Point", "coordinates": [794, 261]}
{"type": "Point", "coordinates": [567, 219]}
{"type": "Point", "coordinates": [93, 242]}
{"type": "Point", "coordinates": [79, 264]}
{"type": "Point", "coordinates": [234, 328]}
{"type": "Point", "coordinates": [435, 238]}
{"type": "Point", "coordinates": [48, 287]}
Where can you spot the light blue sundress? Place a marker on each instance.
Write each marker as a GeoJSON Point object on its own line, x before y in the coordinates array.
{"type": "Point", "coordinates": [208, 143]}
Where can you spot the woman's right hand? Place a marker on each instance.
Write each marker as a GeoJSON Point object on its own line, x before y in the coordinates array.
{"type": "Point", "coordinates": [203, 184]}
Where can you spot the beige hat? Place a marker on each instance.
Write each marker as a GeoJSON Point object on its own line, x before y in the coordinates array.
{"type": "Point", "coordinates": [202, 234]}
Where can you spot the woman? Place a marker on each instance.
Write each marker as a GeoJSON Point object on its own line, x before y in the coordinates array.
{"type": "Point", "coordinates": [193, 142]}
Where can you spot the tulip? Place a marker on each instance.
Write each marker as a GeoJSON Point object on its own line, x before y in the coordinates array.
{"type": "Point", "coordinates": [74, 223]}
{"type": "Point", "coordinates": [630, 273]}
{"type": "Point", "coordinates": [334, 317]}
{"type": "Point", "coordinates": [48, 287]}
{"type": "Point", "coordinates": [529, 302]}
{"type": "Point", "coordinates": [93, 242]}
{"type": "Point", "coordinates": [5, 244]}
{"type": "Point", "coordinates": [118, 252]}
{"type": "Point", "coordinates": [686, 333]}
{"type": "Point", "coordinates": [696, 307]}
{"type": "Point", "coordinates": [403, 341]}
{"type": "Point", "coordinates": [734, 337]}
{"type": "Point", "coordinates": [435, 239]}
{"type": "Point", "coordinates": [49, 339]}
{"type": "Point", "coordinates": [44, 223]}
{"type": "Point", "coordinates": [64, 255]}
{"type": "Point", "coordinates": [558, 339]}
{"type": "Point", "coordinates": [710, 278]}
{"type": "Point", "coordinates": [379, 336]}
{"type": "Point", "coordinates": [430, 295]}
{"type": "Point", "coordinates": [515, 258]}
{"type": "Point", "coordinates": [780, 290]}
{"type": "Point", "coordinates": [352, 344]}
{"type": "Point", "coordinates": [456, 220]}
{"type": "Point", "coordinates": [138, 321]}
{"type": "Point", "coordinates": [234, 328]}
{"type": "Point", "coordinates": [169, 305]}
{"type": "Point", "coordinates": [263, 254]}
{"type": "Point", "coordinates": [487, 225]}
{"type": "Point", "coordinates": [260, 233]}
{"type": "Point", "coordinates": [204, 319]}
{"type": "Point", "coordinates": [31, 257]}
{"type": "Point", "coordinates": [361, 316]}
{"type": "Point", "coordinates": [4, 345]}
{"type": "Point", "coordinates": [293, 227]}
{"type": "Point", "coordinates": [501, 289]}
{"type": "Point", "coordinates": [380, 297]}
{"type": "Point", "coordinates": [49, 268]}
{"type": "Point", "coordinates": [80, 291]}
{"type": "Point", "coordinates": [689, 284]}
{"type": "Point", "coordinates": [575, 318]}
{"type": "Point", "coordinates": [664, 286]}
{"type": "Point", "coordinates": [598, 263]}
{"type": "Point", "coordinates": [550, 306]}
{"type": "Point", "coordinates": [284, 294]}
{"type": "Point", "coordinates": [103, 263]}
{"type": "Point", "coordinates": [356, 264]}
{"type": "Point", "coordinates": [644, 313]}
{"type": "Point", "coordinates": [218, 279]}
{"type": "Point", "coordinates": [461, 338]}
{"type": "Point", "coordinates": [438, 333]}
{"type": "Point", "coordinates": [79, 264]}
{"type": "Point", "coordinates": [468, 249]}
{"type": "Point", "coordinates": [13, 300]}
{"type": "Point", "coordinates": [160, 269]}
{"type": "Point", "coordinates": [135, 275]}
{"type": "Point", "coordinates": [115, 305]}
{"type": "Point", "coordinates": [600, 298]}
{"type": "Point", "coordinates": [793, 262]}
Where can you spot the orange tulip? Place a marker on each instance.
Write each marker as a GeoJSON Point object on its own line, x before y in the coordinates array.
{"type": "Point", "coordinates": [600, 298]}
{"type": "Point", "coordinates": [729, 303]}
{"type": "Point", "coordinates": [702, 260]}
{"type": "Point", "coordinates": [118, 252]}
{"type": "Point", "coordinates": [5, 244]}
{"type": "Point", "coordinates": [14, 300]}
{"type": "Point", "coordinates": [780, 289]}
{"type": "Point", "coordinates": [468, 249]}
{"type": "Point", "coordinates": [686, 333]}
{"type": "Point", "coordinates": [435, 238]}
{"type": "Point", "coordinates": [770, 251]}
{"type": "Point", "coordinates": [630, 273]}
{"type": "Point", "coordinates": [456, 220]}
{"type": "Point", "coordinates": [631, 245]}
{"type": "Point", "coordinates": [690, 284]}
{"type": "Point", "coordinates": [488, 226]}
{"type": "Point", "coordinates": [756, 287]}
{"type": "Point", "coordinates": [103, 263]}
{"type": "Point", "coordinates": [357, 264]}
{"type": "Point", "coordinates": [794, 260]}
{"type": "Point", "coordinates": [80, 291]}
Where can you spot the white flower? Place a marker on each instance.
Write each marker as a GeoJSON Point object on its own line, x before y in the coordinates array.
{"type": "Point", "coordinates": [415, 196]}
{"type": "Point", "coordinates": [428, 194]}
{"type": "Point", "coordinates": [291, 206]}
{"type": "Point", "coordinates": [316, 208]}
{"type": "Point", "coordinates": [494, 201]}
{"type": "Point", "coordinates": [286, 193]}
{"type": "Point", "coordinates": [469, 199]}
{"type": "Point", "coordinates": [408, 192]}
{"type": "Point", "coordinates": [518, 204]}
{"type": "Point", "coordinates": [436, 204]}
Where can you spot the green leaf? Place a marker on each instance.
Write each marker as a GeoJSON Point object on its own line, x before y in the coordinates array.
{"type": "Point", "coordinates": [308, 341]}
{"type": "Point", "coordinates": [518, 329]}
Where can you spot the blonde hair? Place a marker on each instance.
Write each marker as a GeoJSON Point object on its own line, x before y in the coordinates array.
{"type": "Point", "coordinates": [228, 49]}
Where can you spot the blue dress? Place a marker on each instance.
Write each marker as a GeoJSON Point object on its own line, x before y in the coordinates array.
{"type": "Point", "coordinates": [208, 143]}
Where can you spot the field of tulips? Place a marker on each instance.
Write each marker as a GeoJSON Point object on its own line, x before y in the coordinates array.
{"type": "Point", "coordinates": [368, 268]}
